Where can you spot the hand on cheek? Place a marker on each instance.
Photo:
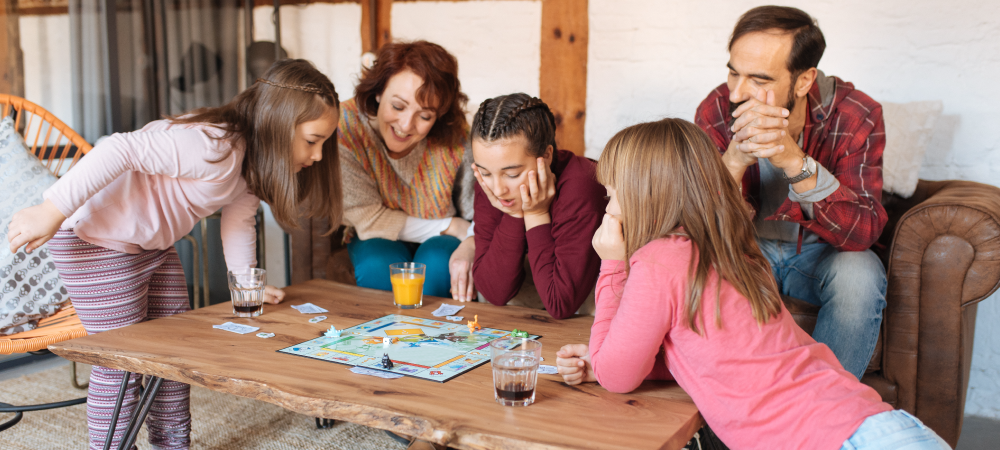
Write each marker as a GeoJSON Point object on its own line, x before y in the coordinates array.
{"type": "Point", "coordinates": [609, 241]}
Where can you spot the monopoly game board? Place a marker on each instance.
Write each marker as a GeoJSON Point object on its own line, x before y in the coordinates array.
{"type": "Point", "coordinates": [430, 349]}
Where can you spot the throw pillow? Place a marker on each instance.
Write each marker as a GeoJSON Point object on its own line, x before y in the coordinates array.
{"type": "Point", "coordinates": [30, 288]}
{"type": "Point", "coordinates": [908, 128]}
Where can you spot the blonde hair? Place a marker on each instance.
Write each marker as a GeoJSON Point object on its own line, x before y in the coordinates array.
{"type": "Point", "coordinates": [668, 175]}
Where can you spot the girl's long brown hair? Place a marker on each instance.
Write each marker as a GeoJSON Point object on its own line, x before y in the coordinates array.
{"type": "Point", "coordinates": [668, 175]}
{"type": "Point", "coordinates": [263, 118]}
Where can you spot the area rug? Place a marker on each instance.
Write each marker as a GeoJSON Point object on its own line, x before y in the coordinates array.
{"type": "Point", "coordinates": [220, 421]}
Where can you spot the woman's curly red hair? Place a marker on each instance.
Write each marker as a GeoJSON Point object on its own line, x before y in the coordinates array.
{"type": "Point", "coordinates": [441, 90]}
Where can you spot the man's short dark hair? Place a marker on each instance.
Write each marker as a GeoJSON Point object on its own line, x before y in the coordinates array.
{"type": "Point", "coordinates": [807, 39]}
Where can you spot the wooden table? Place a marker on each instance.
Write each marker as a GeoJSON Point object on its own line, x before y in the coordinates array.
{"type": "Point", "coordinates": [460, 413]}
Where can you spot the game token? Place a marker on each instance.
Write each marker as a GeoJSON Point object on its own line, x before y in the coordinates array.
{"type": "Point", "coordinates": [332, 332]}
{"type": "Point", "coordinates": [518, 333]}
{"type": "Point", "coordinates": [386, 362]}
{"type": "Point", "coordinates": [317, 319]}
{"type": "Point", "coordinates": [474, 325]}
{"type": "Point", "coordinates": [265, 335]}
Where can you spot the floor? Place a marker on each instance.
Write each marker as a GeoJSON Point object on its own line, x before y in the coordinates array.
{"type": "Point", "coordinates": [978, 433]}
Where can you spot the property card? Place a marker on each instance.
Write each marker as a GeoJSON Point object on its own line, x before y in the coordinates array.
{"type": "Point", "coordinates": [375, 373]}
{"type": "Point", "coordinates": [236, 328]}
{"type": "Point", "coordinates": [309, 308]}
{"type": "Point", "coordinates": [547, 370]}
{"type": "Point", "coordinates": [447, 310]}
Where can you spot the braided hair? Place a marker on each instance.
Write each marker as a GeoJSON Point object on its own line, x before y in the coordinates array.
{"type": "Point", "coordinates": [509, 116]}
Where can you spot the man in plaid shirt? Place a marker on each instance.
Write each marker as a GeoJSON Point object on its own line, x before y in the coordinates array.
{"type": "Point", "coordinates": [808, 149]}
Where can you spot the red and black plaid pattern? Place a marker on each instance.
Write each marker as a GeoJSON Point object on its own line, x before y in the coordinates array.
{"type": "Point", "coordinates": [847, 137]}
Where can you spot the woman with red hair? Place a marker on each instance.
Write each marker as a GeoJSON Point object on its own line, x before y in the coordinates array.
{"type": "Point", "coordinates": [405, 157]}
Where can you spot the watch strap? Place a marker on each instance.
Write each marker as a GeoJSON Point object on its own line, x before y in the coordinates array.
{"type": "Point", "coordinates": [806, 173]}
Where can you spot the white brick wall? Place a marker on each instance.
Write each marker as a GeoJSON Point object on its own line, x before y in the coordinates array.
{"type": "Point", "coordinates": [496, 43]}
{"type": "Point", "coordinates": [655, 58]}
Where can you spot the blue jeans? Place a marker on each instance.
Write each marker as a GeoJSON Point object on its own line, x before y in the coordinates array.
{"type": "Point", "coordinates": [371, 259]}
{"type": "Point", "coordinates": [894, 430]}
{"type": "Point", "coordinates": [849, 288]}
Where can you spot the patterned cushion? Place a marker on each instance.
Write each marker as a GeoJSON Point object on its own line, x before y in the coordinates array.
{"type": "Point", "coordinates": [30, 289]}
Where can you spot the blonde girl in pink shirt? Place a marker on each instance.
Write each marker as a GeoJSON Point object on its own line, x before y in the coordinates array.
{"type": "Point", "coordinates": [114, 218]}
{"type": "Point", "coordinates": [684, 293]}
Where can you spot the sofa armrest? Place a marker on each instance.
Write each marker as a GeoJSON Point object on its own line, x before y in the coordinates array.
{"type": "Point", "coordinates": [944, 257]}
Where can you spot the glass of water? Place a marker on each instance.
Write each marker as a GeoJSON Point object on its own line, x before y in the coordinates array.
{"type": "Point", "coordinates": [515, 370]}
{"type": "Point", "coordinates": [246, 287]}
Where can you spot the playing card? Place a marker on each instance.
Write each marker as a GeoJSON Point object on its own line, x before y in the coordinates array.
{"type": "Point", "coordinates": [236, 328]}
{"type": "Point", "coordinates": [447, 310]}
{"type": "Point", "coordinates": [548, 370]}
{"type": "Point", "coordinates": [375, 373]}
{"type": "Point", "coordinates": [309, 308]}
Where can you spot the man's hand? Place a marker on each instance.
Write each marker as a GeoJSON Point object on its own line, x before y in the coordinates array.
{"type": "Point", "coordinates": [460, 265]}
{"type": "Point", "coordinates": [34, 226]}
{"type": "Point", "coordinates": [573, 363]}
{"type": "Point", "coordinates": [493, 199]}
{"type": "Point", "coordinates": [761, 130]}
{"type": "Point", "coordinates": [609, 242]}
{"type": "Point", "coordinates": [273, 295]}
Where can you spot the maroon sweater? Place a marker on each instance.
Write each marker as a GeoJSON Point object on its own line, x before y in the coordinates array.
{"type": "Point", "coordinates": [564, 265]}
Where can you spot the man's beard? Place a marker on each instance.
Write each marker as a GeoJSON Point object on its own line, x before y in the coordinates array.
{"type": "Point", "coordinates": [789, 105]}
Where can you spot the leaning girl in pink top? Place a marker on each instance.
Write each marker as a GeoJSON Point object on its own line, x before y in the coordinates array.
{"type": "Point", "coordinates": [114, 218]}
{"type": "Point", "coordinates": [696, 303]}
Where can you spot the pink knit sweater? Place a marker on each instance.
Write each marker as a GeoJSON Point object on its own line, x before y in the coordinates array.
{"type": "Point", "coordinates": [758, 386]}
{"type": "Point", "coordinates": [145, 189]}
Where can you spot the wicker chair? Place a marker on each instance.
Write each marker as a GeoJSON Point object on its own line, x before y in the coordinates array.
{"type": "Point", "coordinates": [59, 147]}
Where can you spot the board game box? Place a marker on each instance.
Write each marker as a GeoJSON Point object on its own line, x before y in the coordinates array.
{"type": "Point", "coordinates": [436, 350]}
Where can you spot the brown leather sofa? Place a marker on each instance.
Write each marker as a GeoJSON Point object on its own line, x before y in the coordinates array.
{"type": "Point", "coordinates": [941, 248]}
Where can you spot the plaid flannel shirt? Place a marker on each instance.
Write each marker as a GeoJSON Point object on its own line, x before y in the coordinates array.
{"type": "Point", "coordinates": [846, 136]}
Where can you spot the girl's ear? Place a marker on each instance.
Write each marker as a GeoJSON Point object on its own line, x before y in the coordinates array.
{"type": "Point", "coordinates": [548, 153]}
{"type": "Point", "coordinates": [378, 98]}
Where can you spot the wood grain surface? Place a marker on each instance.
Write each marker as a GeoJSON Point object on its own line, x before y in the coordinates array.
{"type": "Point", "coordinates": [460, 413]}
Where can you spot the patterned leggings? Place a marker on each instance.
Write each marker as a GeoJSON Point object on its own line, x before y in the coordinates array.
{"type": "Point", "coordinates": [111, 290]}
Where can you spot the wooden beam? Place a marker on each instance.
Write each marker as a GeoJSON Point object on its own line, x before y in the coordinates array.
{"type": "Point", "coordinates": [563, 77]}
{"type": "Point", "coordinates": [11, 58]}
{"type": "Point", "coordinates": [383, 24]}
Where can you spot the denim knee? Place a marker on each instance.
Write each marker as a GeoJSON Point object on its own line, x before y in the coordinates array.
{"type": "Point", "coordinates": [859, 276]}
{"type": "Point", "coordinates": [371, 259]}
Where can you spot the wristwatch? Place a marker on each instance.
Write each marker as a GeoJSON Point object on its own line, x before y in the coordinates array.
{"type": "Point", "coordinates": [808, 169]}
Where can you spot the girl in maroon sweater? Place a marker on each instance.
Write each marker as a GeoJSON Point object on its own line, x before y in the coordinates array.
{"type": "Point", "coordinates": [532, 199]}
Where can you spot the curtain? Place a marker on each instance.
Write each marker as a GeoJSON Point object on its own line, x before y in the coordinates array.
{"type": "Point", "coordinates": [169, 57]}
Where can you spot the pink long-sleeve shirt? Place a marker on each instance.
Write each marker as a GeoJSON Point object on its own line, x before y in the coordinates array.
{"type": "Point", "coordinates": [758, 386]}
{"type": "Point", "coordinates": [146, 189]}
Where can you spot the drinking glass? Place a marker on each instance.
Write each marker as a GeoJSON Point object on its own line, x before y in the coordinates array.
{"type": "Point", "coordinates": [515, 370]}
{"type": "Point", "coordinates": [246, 288]}
{"type": "Point", "coordinates": [407, 284]}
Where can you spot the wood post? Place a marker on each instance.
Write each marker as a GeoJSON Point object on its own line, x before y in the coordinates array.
{"type": "Point", "coordinates": [372, 40]}
{"type": "Point", "coordinates": [11, 57]}
{"type": "Point", "coordinates": [563, 77]}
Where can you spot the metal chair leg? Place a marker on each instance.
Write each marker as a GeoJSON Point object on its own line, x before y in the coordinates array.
{"type": "Point", "coordinates": [118, 410]}
{"type": "Point", "coordinates": [73, 377]}
{"type": "Point", "coordinates": [148, 396]}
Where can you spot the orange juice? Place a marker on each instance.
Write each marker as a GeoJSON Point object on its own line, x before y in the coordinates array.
{"type": "Point", "coordinates": [408, 289]}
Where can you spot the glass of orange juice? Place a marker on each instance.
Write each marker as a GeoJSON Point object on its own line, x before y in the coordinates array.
{"type": "Point", "coordinates": [407, 284]}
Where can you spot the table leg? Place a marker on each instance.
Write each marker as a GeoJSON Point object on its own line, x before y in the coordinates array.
{"type": "Point", "coordinates": [132, 431]}
{"type": "Point", "coordinates": [324, 424]}
{"type": "Point", "coordinates": [118, 410]}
